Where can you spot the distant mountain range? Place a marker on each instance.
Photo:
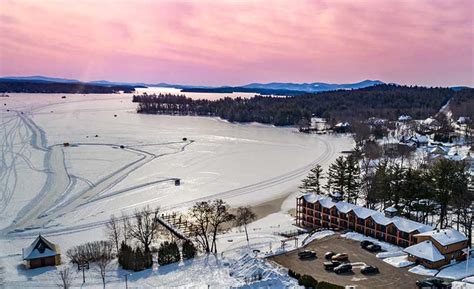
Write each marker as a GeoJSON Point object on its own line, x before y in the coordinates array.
{"type": "Point", "coordinates": [275, 88]}
{"type": "Point", "coordinates": [312, 87]}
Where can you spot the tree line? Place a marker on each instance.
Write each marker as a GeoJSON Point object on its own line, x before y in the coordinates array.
{"type": "Point", "coordinates": [383, 101]}
{"type": "Point", "coordinates": [59, 87]}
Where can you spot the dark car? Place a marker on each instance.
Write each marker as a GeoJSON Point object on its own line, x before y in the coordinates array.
{"type": "Point", "coordinates": [432, 283]}
{"type": "Point", "coordinates": [306, 254]}
{"type": "Point", "coordinates": [369, 270]}
{"type": "Point", "coordinates": [373, 248]}
{"type": "Point", "coordinates": [343, 268]}
{"type": "Point", "coordinates": [331, 265]}
{"type": "Point", "coordinates": [329, 255]}
{"type": "Point", "coordinates": [365, 243]}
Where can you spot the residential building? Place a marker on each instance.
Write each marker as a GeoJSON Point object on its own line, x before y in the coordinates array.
{"type": "Point", "coordinates": [437, 248]}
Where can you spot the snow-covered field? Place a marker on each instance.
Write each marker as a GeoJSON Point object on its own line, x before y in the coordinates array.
{"type": "Point", "coordinates": [67, 192]}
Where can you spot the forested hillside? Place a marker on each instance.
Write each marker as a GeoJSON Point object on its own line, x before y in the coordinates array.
{"type": "Point", "coordinates": [384, 101]}
{"type": "Point", "coordinates": [21, 86]}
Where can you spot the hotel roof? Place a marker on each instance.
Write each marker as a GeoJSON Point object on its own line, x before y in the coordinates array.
{"type": "Point", "coordinates": [402, 224]}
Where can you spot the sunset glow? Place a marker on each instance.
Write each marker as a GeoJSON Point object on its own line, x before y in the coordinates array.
{"type": "Point", "coordinates": [236, 42]}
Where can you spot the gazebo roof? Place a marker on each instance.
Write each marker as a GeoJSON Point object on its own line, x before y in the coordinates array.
{"type": "Point", "coordinates": [40, 248]}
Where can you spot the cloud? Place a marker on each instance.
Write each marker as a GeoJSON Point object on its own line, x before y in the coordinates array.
{"type": "Point", "coordinates": [231, 42]}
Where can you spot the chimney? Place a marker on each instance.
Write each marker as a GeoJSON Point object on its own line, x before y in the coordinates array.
{"type": "Point", "coordinates": [390, 212]}
{"type": "Point", "coordinates": [336, 197]}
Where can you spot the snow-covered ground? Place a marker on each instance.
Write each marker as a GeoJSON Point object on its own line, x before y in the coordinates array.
{"type": "Point", "coordinates": [384, 245]}
{"type": "Point", "coordinates": [422, 270]}
{"type": "Point", "coordinates": [458, 271]}
{"type": "Point", "coordinates": [399, 262]}
{"type": "Point", "coordinates": [67, 192]}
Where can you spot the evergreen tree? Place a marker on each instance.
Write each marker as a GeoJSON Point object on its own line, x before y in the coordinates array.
{"type": "Point", "coordinates": [138, 260]}
{"type": "Point", "coordinates": [352, 179]}
{"type": "Point", "coordinates": [380, 185]}
{"type": "Point", "coordinates": [450, 181]}
{"type": "Point", "coordinates": [312, 183]}
{"type": "Point", "coordinates": [337, 176]}
{"type": "Point", "coordinates": [189, 250]}
{"type": "Point", "coordinates": [397, 177]}
{"type": "Point", "coordinates": [168, 252]}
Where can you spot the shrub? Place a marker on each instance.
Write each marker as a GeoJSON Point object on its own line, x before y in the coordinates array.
{"type": "Point", "coordinates": [189, 250]}
{"type": "Point", "coordinates": [308, 282]}
{"type": "Point", "coordinates": [168, 253]}
{"type": "Point", "coordinates": [136, 260]}
{"type": "Point", "coordinates": [326, 285]}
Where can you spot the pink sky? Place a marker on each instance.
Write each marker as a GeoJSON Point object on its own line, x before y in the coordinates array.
{"type": "Point", "coordinates": [235, 42]}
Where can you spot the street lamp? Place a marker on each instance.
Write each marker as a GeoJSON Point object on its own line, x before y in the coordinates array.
{"type": "Point", "coordinates": [126, 280]}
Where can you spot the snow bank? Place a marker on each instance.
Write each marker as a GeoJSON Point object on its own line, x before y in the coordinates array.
{"type": "Point", "coordinates": [422, 270]}
{"type": "Point", "coordinates": [399, 262]}
{"type": "Point", "coordinates": [359, 237]}
{"type": "Point", "coordinates": [461, 285]}
{"type": "Point", "coordinates": [258, 273]}
{"type": "Point", "coordinates": [458, 271]}
{"type": "Point", "coordinates": [317, 236]}
{"type": "Point", "coordinates": [384, 255]}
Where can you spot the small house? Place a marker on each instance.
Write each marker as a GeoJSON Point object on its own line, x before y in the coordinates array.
{"type": "Point", "coordinates": [41, 253]}
{"type": "Point", "coordinates": [437, 248]}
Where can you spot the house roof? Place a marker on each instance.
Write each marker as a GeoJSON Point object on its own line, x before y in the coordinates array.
{"type": "Point", "coordinates": [40, 248]}
{"type": "Point", "coordinates": [425, 250]}
{"type": "Point", "coordinates": [444, 237]}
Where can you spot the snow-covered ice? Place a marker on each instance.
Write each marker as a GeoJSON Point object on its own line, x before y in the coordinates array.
{"type": "Point", "coordinates": [118, 161]}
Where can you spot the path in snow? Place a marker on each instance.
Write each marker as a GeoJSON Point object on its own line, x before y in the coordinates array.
{"type": "Point", "coordinates": [37, 214]}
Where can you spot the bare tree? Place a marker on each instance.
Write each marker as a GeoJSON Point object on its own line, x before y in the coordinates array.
{"type": "Point", "coordinates": [208, 218]}
{"type": "Point", "coordinates": [113, 232]}
{"type": "Point", "coordinates": [125, 228]}
{"type": "Point", "coordinates": [243, 217]}
{"type": "Point", "coordinates": [220, 215]}
{"type": "Point", "coordinates": [78, 255]}
{"type": "Point", "coordinates": [103, 255]}
{"type": "Point", "coordinates": [199, 214]}
{"type": "Point", "coordinates": [65, 278]}
{"type": "Point", "coordinates": [145, 227]}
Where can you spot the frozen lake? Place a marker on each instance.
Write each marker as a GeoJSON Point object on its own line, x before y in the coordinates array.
{"type": "Point", "coordinates": [119, 160]}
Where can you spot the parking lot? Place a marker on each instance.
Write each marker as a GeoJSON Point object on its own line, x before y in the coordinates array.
{"type": "Point", "coordinates": [389, 276]}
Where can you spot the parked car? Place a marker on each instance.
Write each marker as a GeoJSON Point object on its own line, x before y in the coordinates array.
{"type": "Point", "coordinates": [329, 265]}
{"type": "Point", "coordinates": [343, 268]}
{"type": "Point", "coordinates": [365, 243]}
{"type": "Point", "coordinates": [369, 270]}
{"type": "Point", "coordinates": [432, 283]}
{"type": "Point", "coordinates": [307, 254]}
{"type": "Point", "coordinates": [373, 248]}
{"type": "Point", "coordinates": [340, 257]}
{"type": "Point", "coordinates": [329, 255]}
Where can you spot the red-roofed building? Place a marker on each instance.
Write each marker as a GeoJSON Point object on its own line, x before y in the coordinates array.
{"type": "Point", "coordinates": [313, 211]}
